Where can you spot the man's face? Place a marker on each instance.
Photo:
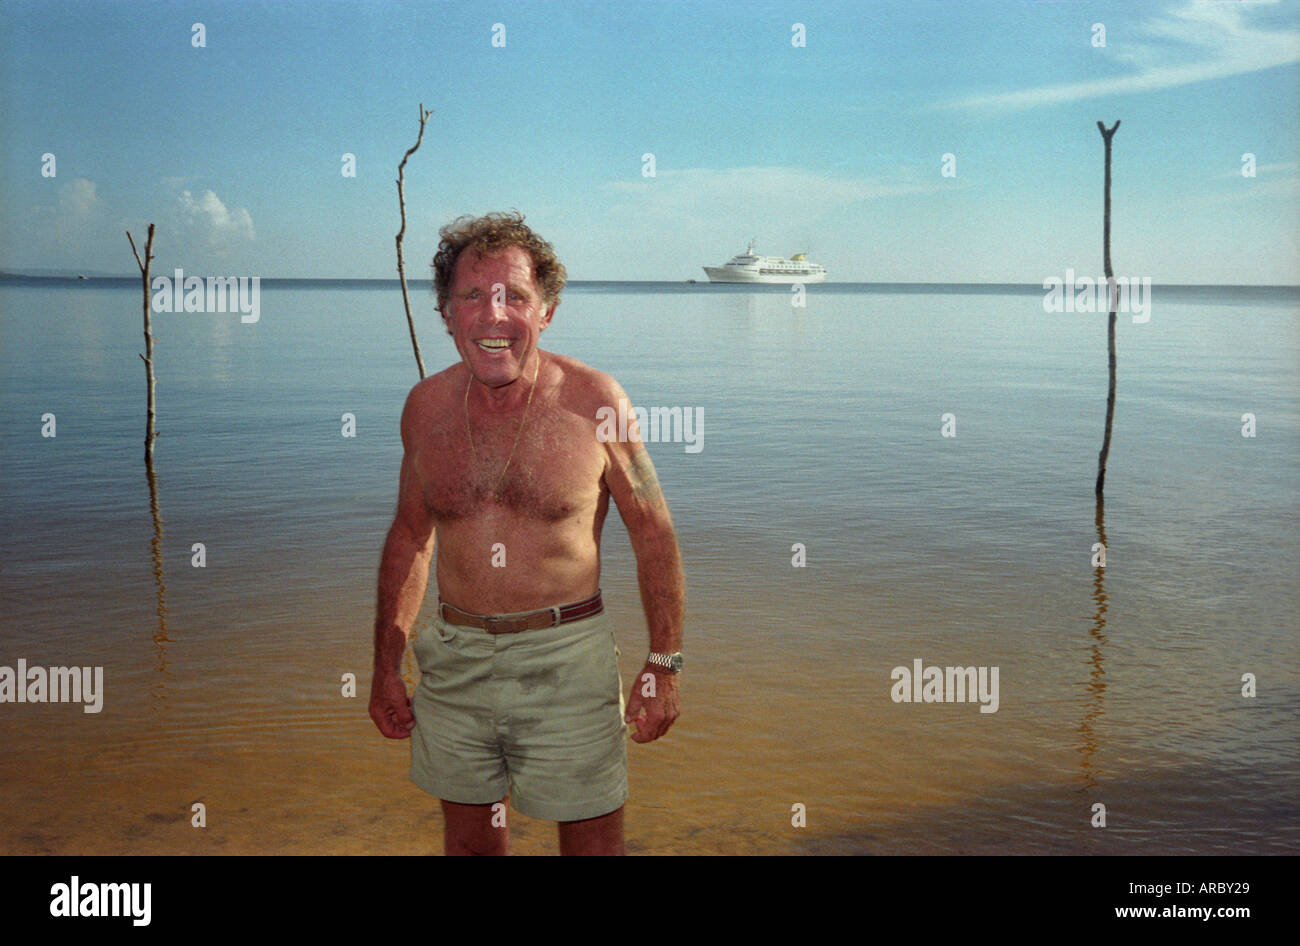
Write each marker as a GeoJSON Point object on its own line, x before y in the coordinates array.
{"type": "Point", "coordinates": [496, 313]}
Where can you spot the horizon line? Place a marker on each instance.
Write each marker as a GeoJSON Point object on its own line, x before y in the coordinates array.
{"type": "Point", "coordinates": [73, 276]}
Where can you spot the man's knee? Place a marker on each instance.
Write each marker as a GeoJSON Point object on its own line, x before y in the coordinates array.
{"type": "Point", "coordinates": [600, 836]}
{"type": "Point", "coordinates": [475, 830]}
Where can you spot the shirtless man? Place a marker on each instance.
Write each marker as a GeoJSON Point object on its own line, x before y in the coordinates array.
{"type": "Point", "coordinates": [503, 464]}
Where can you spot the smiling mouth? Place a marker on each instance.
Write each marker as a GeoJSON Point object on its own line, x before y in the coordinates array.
{"type": "Point", "coordinates": [494, 344]}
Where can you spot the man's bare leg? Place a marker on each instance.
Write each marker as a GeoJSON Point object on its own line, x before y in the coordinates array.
{"type": "Point", "coordinates": [468, 830]}
{"type": "Point", "coordinates": [593, 836]}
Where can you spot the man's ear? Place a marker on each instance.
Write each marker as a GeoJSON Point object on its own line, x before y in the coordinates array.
{"type": "Point", "coordinates": [447, 322]}
{"type": "Point", "coordinates": [550, 314]}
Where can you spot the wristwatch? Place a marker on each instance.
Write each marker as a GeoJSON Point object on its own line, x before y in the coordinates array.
{"type": "Point", "coordinates": [670, 662]}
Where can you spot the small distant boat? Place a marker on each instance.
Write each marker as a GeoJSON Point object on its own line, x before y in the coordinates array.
{"type": "Point", "coordinates": [81, 275]}
{"type": "Point", "coordinates": [747, 267]}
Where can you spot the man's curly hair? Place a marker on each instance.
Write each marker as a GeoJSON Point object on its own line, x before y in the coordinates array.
{"type": "Point", "coordinates": [488, 235]}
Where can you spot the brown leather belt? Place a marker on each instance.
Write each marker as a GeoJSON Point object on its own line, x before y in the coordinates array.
{"type": "Point", "coordinates": [526, 621]}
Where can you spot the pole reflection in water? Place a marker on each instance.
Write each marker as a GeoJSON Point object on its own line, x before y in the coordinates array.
{"type": "Point", "coordinates": [1096, 686]}
{"type": "Point", "coordinates": [160, 638]}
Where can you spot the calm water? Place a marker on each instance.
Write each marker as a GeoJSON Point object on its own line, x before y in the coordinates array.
{"type": "Point", "coordinates": [822, 426]}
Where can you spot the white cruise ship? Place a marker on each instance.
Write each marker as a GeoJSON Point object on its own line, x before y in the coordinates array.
{"type": "Point", "coordinates": [768, 269]}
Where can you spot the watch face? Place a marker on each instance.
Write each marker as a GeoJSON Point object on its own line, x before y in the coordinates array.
{"type": "Point", "coordinates": [675, 663]}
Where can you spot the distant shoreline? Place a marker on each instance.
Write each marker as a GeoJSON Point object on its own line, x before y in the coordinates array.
{"type": "Point", "coordinates": [646, 284]}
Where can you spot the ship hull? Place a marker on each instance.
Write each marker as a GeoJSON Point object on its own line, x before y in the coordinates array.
{"type": "Point", "coordinates": [731, 275]}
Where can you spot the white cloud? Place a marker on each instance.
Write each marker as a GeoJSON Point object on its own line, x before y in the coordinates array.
{"type": "Point", "coordinates": [79, 197]}
{"type": "Point", "coordinates": [71, 224]}
{"type": "Point", "coordinates": [1222, 44]}
{"type": "Point", "coordinates": [1282, 188]}
{"type": "Point", "coordinates": [775, 192]}
{"type": "Point", "coordinates": [1279, 169]}
{"type": "Point", "coordinates": [207, 214]}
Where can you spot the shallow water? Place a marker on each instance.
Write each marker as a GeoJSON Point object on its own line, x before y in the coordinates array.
{"type": "Point", "coordinates": [822, 426]}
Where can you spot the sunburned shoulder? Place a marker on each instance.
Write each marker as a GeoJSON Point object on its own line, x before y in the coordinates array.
{"type": "Point", "coordinates": [441, 382]}
{"type": "Point", "coordinates": [583, 386]}
{"type": "Point", "coordinates": [436, 388]}
{"type": "Point", "coordinates": [427, 400]}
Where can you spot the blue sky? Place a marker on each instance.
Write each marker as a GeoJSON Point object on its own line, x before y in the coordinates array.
{"type": "Point", "coordinates": [834, 148]}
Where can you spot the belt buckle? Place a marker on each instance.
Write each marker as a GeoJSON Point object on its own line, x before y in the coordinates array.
{"type": "Point", "coordinates": [499, 625]}
{"type": "Point", "coordinates": [502, 625]}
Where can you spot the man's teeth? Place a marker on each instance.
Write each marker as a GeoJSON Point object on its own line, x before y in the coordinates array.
{"type": "Point", "coordinates": [494, 344]}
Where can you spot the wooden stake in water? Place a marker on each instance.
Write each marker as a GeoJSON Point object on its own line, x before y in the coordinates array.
{"type": "Point", "coordinates": [149, 433]}
{"type": "Point", "coordinates": [1110, 332]}
{"type": "Point", "coordinates": [401, 265]}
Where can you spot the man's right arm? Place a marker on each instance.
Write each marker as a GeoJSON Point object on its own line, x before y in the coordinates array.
{"type": "Point", "coordinates": [403, 575]}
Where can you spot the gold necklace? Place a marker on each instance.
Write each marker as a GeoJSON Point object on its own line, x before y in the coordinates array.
{"type": "Point", "coordinates": [496, 490]}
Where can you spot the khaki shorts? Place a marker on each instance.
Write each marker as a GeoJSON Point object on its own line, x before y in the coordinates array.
{"type": "Point", "coordinates": [538, 714]}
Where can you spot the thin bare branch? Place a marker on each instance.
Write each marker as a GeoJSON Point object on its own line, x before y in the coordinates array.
{"type": "Point", "coordinates": [150, 434]}
{"type": "Point", "coordinates": [401, 263]}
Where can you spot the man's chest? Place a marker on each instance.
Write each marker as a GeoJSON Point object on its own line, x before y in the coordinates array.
{"type": "Point", "coordinates": [548, 467]}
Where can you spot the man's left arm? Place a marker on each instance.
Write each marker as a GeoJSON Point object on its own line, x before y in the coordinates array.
{"type": "Point", "coordinates": [635, 488]}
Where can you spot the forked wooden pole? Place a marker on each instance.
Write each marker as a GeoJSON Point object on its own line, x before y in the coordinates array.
{"type": "Point", "coordinates": [1112, 294]}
